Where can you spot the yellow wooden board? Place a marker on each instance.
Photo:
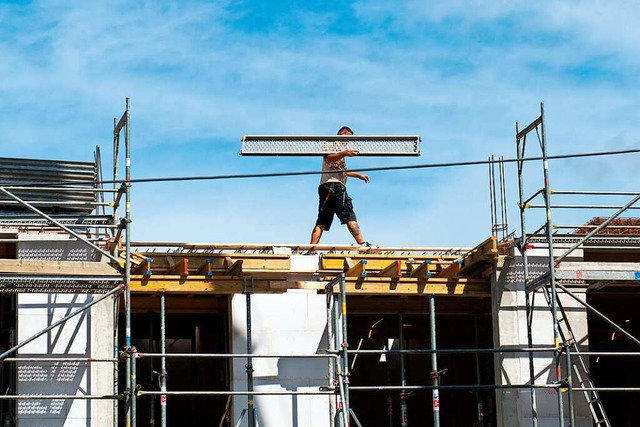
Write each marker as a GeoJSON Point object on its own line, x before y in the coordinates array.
{"type": "Point", "coordinates": [62, 268]}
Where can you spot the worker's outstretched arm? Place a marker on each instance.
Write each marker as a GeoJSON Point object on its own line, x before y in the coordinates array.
{"type": "Point", "coordinates": [334, 157]}
{"type": "Point", "coordinates": [360, 176]}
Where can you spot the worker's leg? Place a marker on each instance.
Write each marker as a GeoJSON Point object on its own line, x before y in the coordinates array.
{"type": "Point", "coordinates": [326, 208]}
{"type": "Point", "coordinates": [354, 229]}
{"type": "Point", "coordinates": [344, 210]}
{"type": "Point", "coordinates": [316, 234]}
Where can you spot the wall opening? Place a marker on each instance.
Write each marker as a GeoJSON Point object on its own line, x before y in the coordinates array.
{"type": "Point", "coordinates": [621, 307]}
{"type": "Point", "coordinates": [204, 330]}
{"type": "Point", "coordinates": [460, 325]}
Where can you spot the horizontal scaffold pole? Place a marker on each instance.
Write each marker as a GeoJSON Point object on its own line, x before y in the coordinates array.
{"type": "Point", "coordinates": [53, 221]}
{"type": "Point", "coordinates": [61, 321]}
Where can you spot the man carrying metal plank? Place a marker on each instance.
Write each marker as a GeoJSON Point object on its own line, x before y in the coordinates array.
{"type": "Point", "coordinates": [332, 192]}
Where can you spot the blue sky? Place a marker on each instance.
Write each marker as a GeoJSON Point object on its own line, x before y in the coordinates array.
{"type": "Point", "coordinates": [202, 74]}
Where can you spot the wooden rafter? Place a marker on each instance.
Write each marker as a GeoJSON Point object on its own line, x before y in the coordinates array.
{"type": "Point", "coordinates": [180, 267]}
{"type": "Point", "coordinates": [478, 258]}
{"type": "Point", "coordinates": [394, 269]}
{"type": "Point", "coordinates": [359, 269]}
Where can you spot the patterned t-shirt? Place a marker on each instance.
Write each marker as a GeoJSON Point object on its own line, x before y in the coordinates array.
{"type": "Point", "coordinates": [338, 165]}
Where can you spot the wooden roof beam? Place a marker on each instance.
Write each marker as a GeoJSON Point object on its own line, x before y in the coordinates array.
{"type": "Point", "coordinates": [234, 268]}
{"type": "Point", "coordinates": [485, 252]}
{"type": "Point", "coordinates": [180, 267]}
{"type": "Point", "coordinates": [359, 269]}
{"type": "Point", "coordinates": [425, 269]}
{"type": "Point", "coordinates": [205, 268]}
{"type": "Point", "coordinates": [453, 270]}
{"type": "Point", "coordinates": [394, 269]}
{"type": "Point", "coordinates": [144, 267]}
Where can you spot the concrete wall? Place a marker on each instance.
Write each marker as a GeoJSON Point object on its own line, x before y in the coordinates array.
{"type": "Point", "coordinates": [291, 323]}
{"type": "Point", "coordinates": [514, 406]}
{"type": "Point", "coordinates": [89, 334]}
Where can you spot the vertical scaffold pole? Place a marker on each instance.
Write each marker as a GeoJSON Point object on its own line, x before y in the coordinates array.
{"type": "Point", "coordinates": [345, 348]}
{"type": "Point", "coordinates": [331, 369]}
{"type": "Point", "coordinates": [520, 148]}
{"type": "Point", "coordinates": [134, 387]}
{"type": "Point", "coordinates": [251, 412]}
{"type": "Point", "coordinates": [127, 265]}
{"type": "Point", "coordinates": [435, 375]}
{"type": "Point", "coordinates": [337, 336]}
{"type": "Point", "coordinates": [572, 420]}
{"type": "Point", "coordinates": [404, 411]}
{"type": "Point", "coordinates": [552, 267]}
{"type": "Point", "coordinates": [116, 306]}
{"type": "Point", "coordinates": [163, 360]}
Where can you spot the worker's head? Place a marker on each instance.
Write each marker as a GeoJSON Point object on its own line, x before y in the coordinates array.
{"type": "Point", "coordinates": [345, 130]}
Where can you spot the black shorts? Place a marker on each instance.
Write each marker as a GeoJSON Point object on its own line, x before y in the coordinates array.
{"type": "Point", "coordinates": [334, 200]}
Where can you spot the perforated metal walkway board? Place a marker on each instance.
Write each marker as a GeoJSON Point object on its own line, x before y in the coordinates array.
{"type": "Point", "coordinates": [320, 145]}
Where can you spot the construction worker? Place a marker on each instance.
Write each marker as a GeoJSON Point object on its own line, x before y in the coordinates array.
{"type": "Point", "coordinates": [332, 192]}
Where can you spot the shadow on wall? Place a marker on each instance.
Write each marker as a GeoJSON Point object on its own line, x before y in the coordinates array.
{"type": "Point", "coordinates": [71, 340]}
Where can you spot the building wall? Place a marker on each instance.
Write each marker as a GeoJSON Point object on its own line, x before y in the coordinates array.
{"type": "Point", "coordinates": [514, 406]}
{"type": "Point", "coordinates": [290, 323]}
{"type": "Point", "coordinates": [89, 334]}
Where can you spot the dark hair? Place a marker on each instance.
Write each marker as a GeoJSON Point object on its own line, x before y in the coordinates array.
{"type": "Point", "coordinates": [343, 128]}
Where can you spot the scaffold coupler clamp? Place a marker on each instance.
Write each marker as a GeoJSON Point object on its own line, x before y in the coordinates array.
{"type": "Point", "coordinates": [328, 290]}
{"type": "Point", "coordinates": [405, 395]}
{"type": "Point", "coordinates": [161, 375]}
{"type": "Point", "coordinates": [566, 345]}
{"type": "Point", "coordinates": [126, 352]}
{"type": "Point", "coordinates": [248, 368]}
{"type": "Point", "coordinates": [435, 375]}
{"type": "Point", "coordinates": [124, 222]}
{"type": "Point", "coordinates": [563, 384]}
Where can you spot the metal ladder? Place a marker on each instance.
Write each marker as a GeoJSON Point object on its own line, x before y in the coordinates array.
{"type": "Point", "coordinates": [579, 366]}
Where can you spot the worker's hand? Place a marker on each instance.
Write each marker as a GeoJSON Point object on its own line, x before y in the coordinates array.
{"type": "Point", "coordinates": [364, 177]}
{"type": "Point", "coordinates": [350, 153]}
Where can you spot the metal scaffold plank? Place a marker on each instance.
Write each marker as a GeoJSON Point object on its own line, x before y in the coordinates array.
{"type": "Point", "coordinates": [320, 145]}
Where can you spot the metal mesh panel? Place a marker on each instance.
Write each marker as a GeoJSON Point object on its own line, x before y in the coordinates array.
{"type": "Point", "coordinates": [59, 254]}
{"type": "Point", "coordinates": [48, 285]}
{"type": "Point", "coordinates": [367, 145]}
{"type": "Point", "coordinates": [30, 220]}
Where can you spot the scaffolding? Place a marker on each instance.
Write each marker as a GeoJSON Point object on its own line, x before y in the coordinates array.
{"type": "Point", "coordinates": [240, 269]}
{"type": "Point", "coordinates": [570, 362]}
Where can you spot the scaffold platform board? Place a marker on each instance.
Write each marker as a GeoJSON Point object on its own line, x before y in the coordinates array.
{"type": "Point", "coordinates": [321, 145]}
